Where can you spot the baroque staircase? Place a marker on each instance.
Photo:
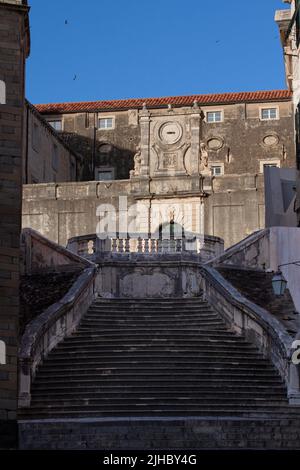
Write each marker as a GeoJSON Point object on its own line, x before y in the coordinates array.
{"type": "Point", "coordinates": [160, 357]}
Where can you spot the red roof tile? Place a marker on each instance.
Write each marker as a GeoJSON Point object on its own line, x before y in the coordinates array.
{"type": "Point", "coordinates": [221, 98]}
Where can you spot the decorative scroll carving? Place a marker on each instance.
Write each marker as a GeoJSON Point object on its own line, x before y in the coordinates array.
{"type": "Point", "coordinates": [137, 163]}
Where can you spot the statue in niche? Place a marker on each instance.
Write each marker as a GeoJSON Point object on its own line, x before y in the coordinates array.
{"type": "Point", "coordinates": [137, 162]}
{"type": "Point", "coordinates": [203, 158]}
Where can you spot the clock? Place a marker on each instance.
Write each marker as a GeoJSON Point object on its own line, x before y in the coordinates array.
{"type": "Point", "coordinates": [170, 132]}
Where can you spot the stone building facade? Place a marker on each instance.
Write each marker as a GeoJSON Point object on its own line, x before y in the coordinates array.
{"type": "Point", "coordinates": [196, 160]}
{"type": "Point", "coordinates": [240, 131]}
{"type": "Point", "coordinates": [14, 48]}
{"type": "Point", "coordinates": [47, 157]}
{"type": "Point", "coordinates": [288, 21]}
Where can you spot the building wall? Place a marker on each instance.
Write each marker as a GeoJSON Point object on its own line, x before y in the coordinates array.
{"type": "Point", "coordinates": [62, 211]}
{"type": "Point", "coordinates": [288, 24]}
{"type": "Point", "coordinates": [81, 131]}
{"type": "Point", "coordinates": [14, 45]}
{"type": "Point", "coordinates": [244, 139]}
{"type": "Point", "coordinates": [46, 157]}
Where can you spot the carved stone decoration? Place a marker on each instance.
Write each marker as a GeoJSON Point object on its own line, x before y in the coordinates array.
{"type": "Point", "coordinates": [203, 167]}
{"type": "Point", "coordinates": [271, 140]}
{"type": "Point", "coordinates": [215, 143]}
{"type": "Point", "coordinates": [137, 163]}
{"type": "Point", "coordinates": [170, 160]}
{"type": "Point", "coordinates": [139, 285]}
{"type": "Point", "coordinates": [170, 133]}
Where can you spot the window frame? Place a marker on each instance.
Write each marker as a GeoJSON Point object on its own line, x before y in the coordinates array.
{"type": "Point", "coordinates": [221, 111]}
{"type": "Point", "coordinates": [217, 164]}
{"type": "Point", "coordinates": [105, 118]}
{"type": "Point", "coordinates": [102, 169]}
{"type": "Point", "coordinates": [268, 162]}
{"type": "Point", "coordinates": [50, 121]}
{"type": "Point", "coordinates": [264, 108]}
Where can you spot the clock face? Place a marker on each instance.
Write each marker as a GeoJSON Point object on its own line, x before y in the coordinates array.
{"type": "Point", "coordinates": [170, 132]}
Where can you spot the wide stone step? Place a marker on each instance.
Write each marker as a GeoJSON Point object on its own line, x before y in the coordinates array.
{"type": "Point", "coordinates": [207, 392]}
{"type": "Point", "coordinates": [149, 319]}
{"type": "Point", "coordinates": [158, 374]}
{"type": "Point", "coordinates": [77, 342]}
{"type": "Point", "coordinates": [258, 411]}
{"type": "Point", "coordinates": [157, 348]}
{"type": "Point", "coordinates": [173, 387]}
{"type": "Point", "coordinates": [99, 333]}
{"type": "Point", "coordinates": [172, 366]}
{"type": "Point", "coordinates": [160, 406]}
{"type": "Point", "coordinates": [154, 314]}
{"type": "Point", "coordinates": [113, 402]}
{"type": "Point", "coordinates": [143, 301]}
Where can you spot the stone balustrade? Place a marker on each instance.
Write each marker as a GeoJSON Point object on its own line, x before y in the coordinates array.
{"type": "Point", "coordinates": [88, 245]}
{"type": "Point", "coordinates": [254, 323]}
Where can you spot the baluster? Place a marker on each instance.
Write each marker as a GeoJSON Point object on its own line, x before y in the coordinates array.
{"type": "Point", "coordinates": [152, 245]}
{"type": "Point", "coordinates": [146, 244]}
{"type": "Point", "coordinates": [140, 245]}
{"type": "Point", "coordinates": [178, 245]}
{"type": "Point", "coordinates": [127, 245]}
{"type": "Point", "coordinates": [121, 245]}
{"type": "Point", "coordinates": [114, 247]}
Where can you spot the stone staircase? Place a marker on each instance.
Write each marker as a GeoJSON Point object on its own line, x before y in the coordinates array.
{"type": "Point", "coordinates": [156, 358]}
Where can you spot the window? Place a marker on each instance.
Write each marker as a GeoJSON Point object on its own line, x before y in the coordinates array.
{"type": "Point", "coordinates": [106, 123]}
{"type": "Point", "coordinates": [55, 157]}
{"type": "Point", "coordinates": [216, 170]}
{"type": "Point", "coordinates": [267, 164]}
{"type": "Point", "coordinates": [214, 116]}
{"type": "Point", "coordinates": [267, 114]}
{"type": "Point", "coordinates": [104, 174]}
{"type": "Point", "coordinates": [56, 124]}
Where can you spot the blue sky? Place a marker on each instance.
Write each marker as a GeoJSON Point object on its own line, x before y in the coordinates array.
{"type": "Point", "coordinates": [113, 49]}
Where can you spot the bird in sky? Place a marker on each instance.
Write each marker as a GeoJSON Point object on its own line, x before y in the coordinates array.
{"type": "Point", "coordinates": [75, 76]}
{"type": "Point", "coordinates": [66, 21]}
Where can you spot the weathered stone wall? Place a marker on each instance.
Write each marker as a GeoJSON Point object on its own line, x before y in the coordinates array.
{"type": "Point", "coordinates": [233, 209]}
{"type": "Point", "coordinates": [47, 157]}
{"type": "Point", "coordinates": [176, 433]}
{"type": "Point", "coordinates": [13, 49]}
{"type": "Point", "coordinates": [239, 143]}
{"type": "Point", "coordinates": [108, 148]}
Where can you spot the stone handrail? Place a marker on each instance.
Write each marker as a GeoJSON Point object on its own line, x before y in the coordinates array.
{"type": "Point", "coordinates": [256, 324]}
{"type": "Point", "coordinates": [44, 332]}
{"type": "Point", "coordinates": [85, 245]}
{"type": "Point", "coordinates": [251, 251]}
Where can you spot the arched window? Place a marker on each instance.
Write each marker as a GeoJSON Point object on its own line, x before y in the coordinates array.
{"type": "Point", "coordinates": [2, 92]}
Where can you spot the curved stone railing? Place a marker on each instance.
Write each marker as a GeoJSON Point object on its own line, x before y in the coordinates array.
{"type": "Point", "coordinates": [256, 324]}
{"type": "Point", "coordinates": [252, 251]}
{"type": "Point", "coordinates": [44, 332]}
{"type": "Point", "coordinates": [87, 245]}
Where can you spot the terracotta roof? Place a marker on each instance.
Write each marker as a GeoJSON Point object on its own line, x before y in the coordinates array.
{"type": "Point", "coordinates": [221, 98]}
